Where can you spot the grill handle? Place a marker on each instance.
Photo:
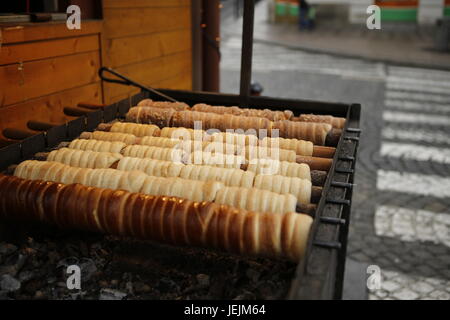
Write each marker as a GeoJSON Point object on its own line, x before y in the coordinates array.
{"type": "Point", "coordinates": [16, 134]}
{"type": "Point", "coordinates": [39, 125]}
{"type": "Point", "coordinates": [128, 82]}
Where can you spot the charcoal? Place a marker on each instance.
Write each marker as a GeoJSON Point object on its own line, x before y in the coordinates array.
{"type": "Point", "coordinates": [7, 248]}
{"type": "Point", "coordinates": [25, 276]}
{"type": "Point", "coordinates": [111, 294]}
{"type": "Point", "coordinates": [88, 269]}
{"type": "Point", "coordinates": [9, 283]}
{"type": "Point", "coordinates": [114, 268]}
{"type": "Point", "coordinates": [203, 280]}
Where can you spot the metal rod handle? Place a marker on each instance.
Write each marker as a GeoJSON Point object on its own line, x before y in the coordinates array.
{"type": "Point", "coordinates": [332, 220]}
{"type": "Point", "coordinates": [127, 81]}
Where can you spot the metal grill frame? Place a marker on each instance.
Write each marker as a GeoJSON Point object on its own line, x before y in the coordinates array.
{"type": "Point", "coordinates": [320, 275]}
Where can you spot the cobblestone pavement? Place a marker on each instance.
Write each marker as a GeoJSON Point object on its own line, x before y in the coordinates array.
{"type": "Point", "coordinates": [401, 204]}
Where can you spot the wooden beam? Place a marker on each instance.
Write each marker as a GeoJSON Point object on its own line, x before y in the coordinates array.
{"type": "Point", "coordinates": [24, 32]}
{"type": "Point", "coordinates": [140, 21]}
{"type": "Point", "coordinates": [31, 51]}
{"type": "Point", "coordinates": [43, 77]}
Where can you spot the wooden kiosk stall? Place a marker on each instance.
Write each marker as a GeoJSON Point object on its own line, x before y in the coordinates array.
{"type": "Point", "coordinates": [46, 70]}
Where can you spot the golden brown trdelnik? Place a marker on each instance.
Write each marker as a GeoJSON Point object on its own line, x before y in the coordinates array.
{"type": "Point", "coordinates": [301, 147]}
{"type": "Point", "coordinates": [132, 180]}
{"type": "Point", "coordinates": [150, 115]}
{"type": "Point", "coordinates": [97, 145]}
{"type": "Point", "coordinates": [159, 218]}
{"type": "Point", "coordinates": [217, 121]}
{"type": "Point", "coordinates": [178, 106]}
{"type": "Point", "coordinates": [126, 138]}
{"type": "Point", "coordinates": [310, 131]}
{"type": "Point", "coordinates": [336, 122]}
{"type": "Point", "coordinates": [84, 158]}
{"type": "Point", "coordinates": [139, 130]}
{"type": "Point", "coordinates": [191, 187]}
{"type": "Point", "coordinates": [245, 112]}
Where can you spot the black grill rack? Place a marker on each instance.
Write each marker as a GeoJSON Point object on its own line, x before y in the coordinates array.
{"type": "Point", "coordinates": [320, 274]}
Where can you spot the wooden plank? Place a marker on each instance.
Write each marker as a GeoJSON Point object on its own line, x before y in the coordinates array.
{"type": "Point", "coordinates": [123, 51]}
{"type": "Point", "coordinates": [127, 95]}
{"type": "Point", "coordinates": [150, 71]}
{"type": "Point", "coordinates": [145, 3]}
{"type": "Point", "coordinates": [47, 76]}
{"type": "Point", "coordinates": [24, 32]}
{"type": "Point", "coordinates": [23, 52]}
{"type": "Point", "coordinates": [135, 21]}
{"type": "Point", "coordinates": [48, 108]}
{"type": "Point", "coordinates": [182, 81]}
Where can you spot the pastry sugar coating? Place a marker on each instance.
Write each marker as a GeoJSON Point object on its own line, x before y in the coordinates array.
{"type": "Point", "coordinates": [133, 181]}
{"type": "Point", "coordinates": [245, 112]}
{"type": "Point", "coordinates": [97, 145]}
{"type": "Point", "coordinates": [182, 133]}
{"type": "Point", "coordinates": [256, 199]}
{"type": "Point", "coordinates": [179, 106]}
{"type": "Point", "coordinates": [177, 155]}
{"type": "Point", "coordinates": [110, 136]}
{"type": "Point", "coordinates": [196, 188]}
{"type": "Point", "coordinates": [163, 142]}
{"type": "Point", "coordinates": [139, 130]}
{"type": "Point", "coordinates": [84, 158]}
{"type": "Point", "coordinates": [221, 122]}
{"type": "Point", "coordinates": [160, 168]}
{"type": "Point", "coordinates": [282, 168]}
{"type": "Point", "coordinates": [300, 188]}
{"type": "Point", "coordinates": [160, 117]}
{"type": "Point", "coordinates": [301, 147]}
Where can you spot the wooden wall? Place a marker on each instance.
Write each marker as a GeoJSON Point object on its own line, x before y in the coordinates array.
{"type": "Point", "coordinates": [44, 68]}
{"type": "Point", "coordinates": [150, 41]}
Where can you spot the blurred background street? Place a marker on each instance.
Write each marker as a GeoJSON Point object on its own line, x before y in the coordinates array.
{"type": "Point", "coordinates": [401, 206]}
